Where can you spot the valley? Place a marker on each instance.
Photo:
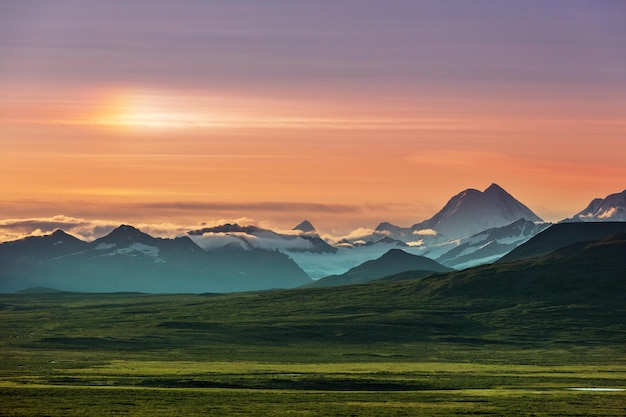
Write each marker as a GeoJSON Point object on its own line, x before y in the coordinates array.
{"type": "Point", "coordinates": [489, 340]}
{"type": "Point", "coordinates": [386, 348]}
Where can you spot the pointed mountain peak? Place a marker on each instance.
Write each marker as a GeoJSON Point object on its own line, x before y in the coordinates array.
{"type": "Point", "coordinates": [494, 188]}
{"type": "Point", "coordinates": [127, 229]}
{"type": "Point", "coordinates": [472, 211]}
{"type": "Point", "coordinates": [59, 234]}
{"type": "Point", "coordinates": [124, 234]}
{"type": "Point", "coordinates": [305, 227]}
{"type": "Point", "coordinates": [396, 254]}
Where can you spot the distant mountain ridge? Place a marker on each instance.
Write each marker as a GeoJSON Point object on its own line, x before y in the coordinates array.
{"type": "Point", "coordinates": [40, 248]}
{"type": "Point", "coordinates": [612, 208]}
{"type": "Point", "coordinates": [129, 260]}
{"type": "Point", "coordinates": [304, 238]}
{"type": "Point", "coordinates": [444, 238]}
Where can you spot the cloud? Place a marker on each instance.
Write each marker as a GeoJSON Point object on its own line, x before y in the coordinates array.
{"type": "Point", "coordinates": [210, 241]}
{"type": "Point", "coordinates": [269, 206]}
{"type": "Point", "coordinates": [13, 229]}
{"type": "Point", "coordinates": [264, 240]}
{"type": "Point", "coordinates": [356, 234]}
{"type": "Point", "coordinates": [88, 230]}
{"type": "Point", "coordinates": [43, 223]}
{"type": "Point", "coordinates": [425, 232]}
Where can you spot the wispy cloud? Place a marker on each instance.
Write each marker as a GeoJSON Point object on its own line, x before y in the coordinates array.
{"type": "Point", "coordinates": [355, 234]}
{"type": "Point", "coordinates": [12, 229]}
{"type": "Point", "coordinates": [425, 232]}
{"type": "Point", "coordinates": [90, 229]}
{"type": "Point", "coordinates": [85, 229]}
{"type": "Point", "coordinates": [268, 206]}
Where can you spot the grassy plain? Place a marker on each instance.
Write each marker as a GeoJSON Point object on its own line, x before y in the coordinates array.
{"type": "Point", "coordinates": [371, 350]}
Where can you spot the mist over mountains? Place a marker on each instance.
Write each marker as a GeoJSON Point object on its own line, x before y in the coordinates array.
{"type": "Point", "coordinates": [473, 228]}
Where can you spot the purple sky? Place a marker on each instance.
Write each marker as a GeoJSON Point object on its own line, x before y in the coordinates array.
{"type": "Point", "coordinates": [289, 47]}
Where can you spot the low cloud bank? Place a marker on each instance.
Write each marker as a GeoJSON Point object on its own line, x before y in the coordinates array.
{"type": "Point", "coordinates": [89, 230]}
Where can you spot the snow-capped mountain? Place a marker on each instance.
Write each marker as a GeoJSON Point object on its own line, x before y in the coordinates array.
{"type": "Point", "coordinates": [612, 208]}
{"type": "Point", "coordinates": [473, 227]}
{"type": "Point", "coordinates": [490, 245]}
{"type": "Point", "coordinates": [467, 213]}
{"type": "Point", "coordinates": [131, 242]}
{"type": "Point", "coordinates": [303, 238]}
{"type": "Point", "coordinates": [130, 260]}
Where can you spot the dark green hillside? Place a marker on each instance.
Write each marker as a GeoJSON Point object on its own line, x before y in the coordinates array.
{"type": "Point", "coordinates": [393, 262]}
{"type": "Point", "coordinates": [563, 234]}
{"type": "Point", "coordinates": [590, 273]}
{"type": "Point", "coordinates": [573, 297]}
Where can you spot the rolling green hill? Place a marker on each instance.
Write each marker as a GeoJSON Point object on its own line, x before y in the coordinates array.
{"type": "Point", "coordinates": [393, 262]}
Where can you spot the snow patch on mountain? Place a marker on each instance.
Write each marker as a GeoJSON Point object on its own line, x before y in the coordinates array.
{"type": "Point", "coordinates": [253, 237]}
{"type": "Point", "coordinates": [612, 208]}
{"type": "Point", "coordinates": [608, 214]}
{"type": "Point", "coordinates": [425, 232]}
{"type": "Point", "coordinates": [135, 249]}
{"type": "Point", "coordinates": [489, 245]}
{"type": "Point", "coordinates": [104, 246]}
{"type": "Point", "coordinates": [144, 249]}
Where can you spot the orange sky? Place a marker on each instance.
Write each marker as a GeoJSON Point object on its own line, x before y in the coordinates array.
{"type": "Point", "coordinates": [342, 142]}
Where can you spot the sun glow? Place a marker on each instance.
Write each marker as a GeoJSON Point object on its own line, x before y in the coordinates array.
{"type": "Point", "coordinates": [150, 111]}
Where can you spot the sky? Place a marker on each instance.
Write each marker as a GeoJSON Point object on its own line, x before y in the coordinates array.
{"type": "Point", "coordinates": [346, 113]}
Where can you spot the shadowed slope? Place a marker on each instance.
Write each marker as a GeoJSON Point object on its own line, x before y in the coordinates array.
{"type": "Point", "coordinates": [392, 262]}
{"type": "Point", "coordinates": [563, 234]}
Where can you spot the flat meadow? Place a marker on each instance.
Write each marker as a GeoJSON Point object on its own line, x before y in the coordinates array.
{"type": "Point", "coordinates": [302, 353]}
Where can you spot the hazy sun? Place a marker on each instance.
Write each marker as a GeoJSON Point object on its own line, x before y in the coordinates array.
{"type": "Point", "coordinates": [132, 110]}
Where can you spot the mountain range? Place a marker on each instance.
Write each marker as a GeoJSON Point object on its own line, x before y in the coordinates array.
{"type": "Point", "coordinates": [129, 260]}
{"type": "Point", "coordinates": [302, 238]}
{"type": "Point", "coordinates": [231, 257]}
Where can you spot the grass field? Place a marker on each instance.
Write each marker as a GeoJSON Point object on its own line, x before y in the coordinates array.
{"type": "Point", "coordinates": [336, 352]}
